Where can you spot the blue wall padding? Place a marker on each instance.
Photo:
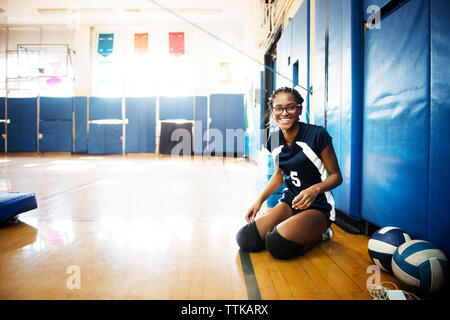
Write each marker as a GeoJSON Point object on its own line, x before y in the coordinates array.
{"type": "Point", "coordinates": [396, 134]}
{"type": "Point", "coordinates": [55, 124]}
{"type": "Point", "coordinates": [2, 125]}
{"type": "Point", "coordinates": [200, 125]}
{"type": "Point", "coordinates": [300, 52]}
{"type": "Point", "coordinates": [55, 108]}
{"type": "Point", "coordinates": [283, 65]}
{"type": "Point", "coordinates": [105, 108]}
{"type": "Point", "coordinates": [335, 88]}
{"type": "Point", "coordinates": [176, 108]}
{"type": "Point", "coordinates": [22, 131]}
{"type": "Point", "coordinates": [140, 130]}
{"type": "Point", "coordinates": [353, 113]}
{"type": "Point", "coordinates": [56, 135]}
{"type": "Point", "coordinates": [344, 85]}
{"type": "Point", "coordinates": [105, 139]}
{"type": "Point", "coordinates": [14, 203]}
{"type": "Point", "coordinates": [438, 224]}
{"type": "Point", "coordinates": [227, 113]}
{"type": "Point", "coordinates": [80, 116]}
{"type": "Point", "coordinates": [319, 98]}
{"type": "Point", "coordinates": [343, 115]}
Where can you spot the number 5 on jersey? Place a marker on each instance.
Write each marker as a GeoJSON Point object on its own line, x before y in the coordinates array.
{"type": "Point", "coordinates": [295, 180]}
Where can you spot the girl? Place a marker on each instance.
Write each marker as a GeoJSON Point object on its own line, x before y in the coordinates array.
{"type": "Point", "coordinates": [303, 155]}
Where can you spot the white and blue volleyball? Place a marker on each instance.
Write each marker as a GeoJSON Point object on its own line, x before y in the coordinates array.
{"type": "Point", "coordinates": [420, 266]}
{"type": "Point", "coordinates": [383, 243]}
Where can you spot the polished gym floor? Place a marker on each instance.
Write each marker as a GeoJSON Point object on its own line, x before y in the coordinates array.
{"type": "Point", "coordinates": [156, 227]}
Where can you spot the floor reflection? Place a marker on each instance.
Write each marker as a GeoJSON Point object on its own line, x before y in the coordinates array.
{"type": "Point", "coordinates": [24, 233]}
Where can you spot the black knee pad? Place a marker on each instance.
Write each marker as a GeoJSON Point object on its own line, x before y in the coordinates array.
{"type": "Point", "coordinates": [282, 248]}
{"type": "Point", "coordinates": [248, 238]}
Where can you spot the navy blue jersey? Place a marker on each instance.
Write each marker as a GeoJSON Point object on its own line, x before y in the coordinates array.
{"type": "Point", "coordinates": [302, 165]}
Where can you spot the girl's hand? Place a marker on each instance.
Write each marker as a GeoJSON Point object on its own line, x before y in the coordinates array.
{"type": "Point", "coordinates": [305, 199]}
{"type": "Point", "coordinates": [250, 216]}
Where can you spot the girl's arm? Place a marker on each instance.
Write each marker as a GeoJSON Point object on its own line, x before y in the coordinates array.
{"type": "Point", "coordinates": [274, 183]}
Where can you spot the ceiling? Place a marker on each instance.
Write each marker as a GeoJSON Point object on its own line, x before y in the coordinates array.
{"type": "Point", "coordinates": [136, 12]}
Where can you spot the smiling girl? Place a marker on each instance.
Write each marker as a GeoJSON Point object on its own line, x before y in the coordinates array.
{"type": "Point", "coordinates": [305, 160]}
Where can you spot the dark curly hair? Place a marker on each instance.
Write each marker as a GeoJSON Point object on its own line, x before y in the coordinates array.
{"type": "Point", "coordinates": [290, 90]}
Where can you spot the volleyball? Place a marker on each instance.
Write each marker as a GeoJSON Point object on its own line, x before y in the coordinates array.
{"type": "Point", "coordinates": [383, 243]}
{"type": "Point", "coordinates": [421, 266]}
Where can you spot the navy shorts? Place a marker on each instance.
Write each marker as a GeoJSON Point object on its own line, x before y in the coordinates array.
{"type": "Point", "coordinates": [288, 197]}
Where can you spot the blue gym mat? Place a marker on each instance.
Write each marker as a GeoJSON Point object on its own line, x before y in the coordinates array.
{"type": "Point", "coordinates": [13, 203]}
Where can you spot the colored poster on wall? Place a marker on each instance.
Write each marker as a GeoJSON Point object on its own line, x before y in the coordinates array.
{"type": "Point", "coordinates": [176, 43]}
{"type": "Point", "coordinates": [141, 43]}
{"type": "Point", "coordinates": [105, 43]}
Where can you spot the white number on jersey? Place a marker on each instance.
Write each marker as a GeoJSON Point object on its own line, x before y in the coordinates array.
{"type": "Point", "coordinates": [295, 180]}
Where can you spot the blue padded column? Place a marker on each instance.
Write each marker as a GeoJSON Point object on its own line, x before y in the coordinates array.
{"type": "Point", "coordinates": [2, 125]}
{"type": "Point", "coordinates": [105, 138]}
{"type": "Point", "coordinates": [80, 104]}
{"type": "Point", "coordinates": [300, 53]}
{"type": "Point", "coordinates": [140, 131]}
{"type": "Point", "coordinates": [55, 124]}
{"type": "Point", "coordinates": [438, 218]}
{"type": "Point", "coordinates": [335, 22]}
{"type": "Point", "coordinates": [22, 131]}
{"type": "Point", "coordinates": [342, 193]}
{"type": "Point", "coordinates": [343, 110]}
{"type": "Point", "coordinates": [353, 116]}
{"type": "Point", "coordinates": [319, 63]}
{"type": "Point", "coordinates": [201, 124]}
{"type": "Point", "coordinates": [338, 42]}
{"type": "Point", "coordinates": [284, 63]}
{"type": "Point", "coordinates": [344, 115]}
{"type": "Point", "coordinates": [396, 120]}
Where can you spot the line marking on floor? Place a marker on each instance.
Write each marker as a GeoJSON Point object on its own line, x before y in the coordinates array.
{"type": "Point", "coordinates": [82, 186]}
{"type": "Point", "coordinates": [253, 292]}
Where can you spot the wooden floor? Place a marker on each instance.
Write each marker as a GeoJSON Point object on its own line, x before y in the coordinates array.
{"type": "Point", "coordinates": [149, 227]}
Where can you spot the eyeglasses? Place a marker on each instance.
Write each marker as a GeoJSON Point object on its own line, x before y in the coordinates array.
{"type": "Point", "coordinates": [290, 109]}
